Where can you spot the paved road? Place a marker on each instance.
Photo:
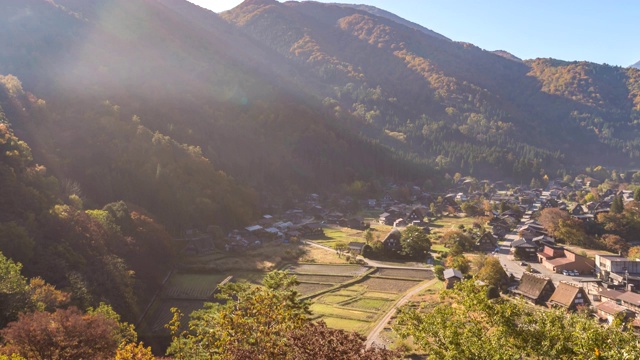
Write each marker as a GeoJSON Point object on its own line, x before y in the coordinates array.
{"type": "Point", "coordinates": [373, 335]}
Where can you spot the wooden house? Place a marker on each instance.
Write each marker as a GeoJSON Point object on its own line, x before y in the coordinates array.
{"type": "Point", "coordinates": [451, 277]}
{"type": "Point", "coordinates": [535, 288]}
{"type": "Point", "coordinates": [486, 242]}
{"type": "Point", "coordinates": [392, 241]}
{"type": "Point", "coordinates": [569, 296]}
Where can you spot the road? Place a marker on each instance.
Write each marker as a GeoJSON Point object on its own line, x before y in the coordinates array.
{"type": "Point", "coordinates": [373, 335]}
{"type": "Point", "coordinates": [513, 266]}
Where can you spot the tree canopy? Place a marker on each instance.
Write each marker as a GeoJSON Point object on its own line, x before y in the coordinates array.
{"type": "Point", "coordinates": [468, 325]}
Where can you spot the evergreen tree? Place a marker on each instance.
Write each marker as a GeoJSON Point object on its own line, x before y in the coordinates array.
{"type": "Point", "coordinates": [617, 205]}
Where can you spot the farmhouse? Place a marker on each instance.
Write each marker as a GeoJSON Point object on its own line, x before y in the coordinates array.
{"type": "Point", "coordinates": [392, 241]}
{"type": "Point", "coordinates": [569, 296]}
{"type": "Point", "coordinates": [486, 242]}
{"type": "Point", "coordinates": [534, 288]}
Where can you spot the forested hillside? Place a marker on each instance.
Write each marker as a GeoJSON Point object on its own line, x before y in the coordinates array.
{"type": "Point", "coordinates": [116, 253]}
{"type": "Point", "coordinates": [124, 123]}
{"type": "Point", "coordinates": [469, 109]}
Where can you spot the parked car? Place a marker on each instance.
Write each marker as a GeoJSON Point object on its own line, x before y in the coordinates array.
{"type": "Point", "coordinates": [534, 271]}
{"type": "Point", "coordinates": [565, 272]}
{"type": "Point", "coordinates": [575, 273]}
{"type": "Point", "coordinates": [522, 263]}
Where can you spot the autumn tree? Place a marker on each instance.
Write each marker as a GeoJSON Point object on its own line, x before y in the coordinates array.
{"type": "Point", "coordinates": [253, 322]}
{"type": "Point", "coordinates": [550, 218]}
{"type": "Point", "coordinates": [315, 341]}
{"type": "Point", "coordinates": [66, 334]}
{"type": "Point", "coordinates": [634, 253]}
{"type": "Point", "coordinates": [615, 243]}
{"type": "Point", "coordinates": [456, 237]}
{"type": "Point", "coordinates": [492, 273]}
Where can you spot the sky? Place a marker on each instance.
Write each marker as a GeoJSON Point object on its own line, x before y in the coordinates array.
{"type": "Point", "coordinates": [592, 30]}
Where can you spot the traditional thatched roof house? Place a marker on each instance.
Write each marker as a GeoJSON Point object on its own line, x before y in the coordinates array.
{"type": "Point", "coordinates": [392, 241]}
{"type": "Point", "coordinates": [534, 288]}
{"type": "Point", "coordinates": [486, 242]}
{"type": "Point", "coordinates": [569, 296]}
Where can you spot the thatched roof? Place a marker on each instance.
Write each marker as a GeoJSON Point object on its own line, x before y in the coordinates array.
{"type": "Point", "coordinates": [531, 286]}
{"type": "Point", "coordinates": [566, 293]}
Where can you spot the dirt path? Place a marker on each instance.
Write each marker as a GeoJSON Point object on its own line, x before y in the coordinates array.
{"type": "Point", "coordinates": [375, 332]}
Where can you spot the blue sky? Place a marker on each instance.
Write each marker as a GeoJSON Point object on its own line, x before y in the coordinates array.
{"type": "Point", "coordinates": [591, 30]}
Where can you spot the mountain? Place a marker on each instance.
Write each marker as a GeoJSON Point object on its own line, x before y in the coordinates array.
{"type": "Point", "coordinates": [507, 55]}
{"type": "Point", "coordinates": [636, 65]}
{"type": "Point", "coordinates": [186, 74]}
{"type": "Point", "coordinates": [468, 109]}
{"type": "Point", "coordinates": [393, 17]}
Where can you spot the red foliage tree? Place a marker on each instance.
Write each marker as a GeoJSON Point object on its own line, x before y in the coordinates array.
{"type": "Point", "coordinates": [62, 335]}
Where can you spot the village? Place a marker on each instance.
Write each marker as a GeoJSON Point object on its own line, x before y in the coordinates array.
{"type": "Point", "coordinates": [363, 275]}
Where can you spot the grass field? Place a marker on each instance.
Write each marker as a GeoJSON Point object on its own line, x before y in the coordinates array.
{"type": "Point", "coordinates": [335, 234]}
{"type": "Point", "coordinates": [333, 299]}
{"type": "Point", "coordinates": [370, 304]}
{"type": "Point", "coordinates": [342, 312]}
{"type": "Point", "coordinates": [313, 254]}
{"type": "Point", "coordinates": [347, 324]}
{"type": "Point", "coordinates": [191, 286]}
{"type": "Point", "coordinates": [448, 222]}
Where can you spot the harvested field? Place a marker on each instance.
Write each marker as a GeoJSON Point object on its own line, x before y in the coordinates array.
{"type": "Point", "coordinates": [325, 279]}
{"type": "Point", "coordinates": [389, 285]}
{"type": "Point", "coordinates": [191, 286]}
{"type": "Point", "coordinates": [380, 295]}
{"type": "Point", "coordinates": [406, 273]}
{"type": "Point", "coordinates": [346, 270]}
{"type": "Point", "coordinates": [306, 288]}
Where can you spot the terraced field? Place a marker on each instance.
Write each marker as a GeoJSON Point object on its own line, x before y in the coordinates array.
{"type": "Point", "coordinates": [406, 274]}
{"type": "Point", "coordinates": [347, 270]}
{"type": "Point", "coordinates": [389, 285]}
